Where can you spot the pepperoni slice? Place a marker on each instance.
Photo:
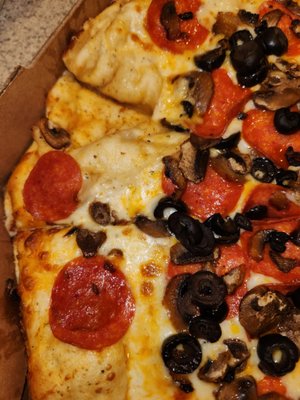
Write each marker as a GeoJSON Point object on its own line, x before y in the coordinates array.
{"type": "Point", "coordinates": [270, 384]}
{"type": "Point", "coordinates": [50, 191]}
{"type": "Point", "coordinates": [227, 101]}
{"type": "Point", "coordinates": [266, 266]}
{"type": "Point", "coordinates": [260, 133]}
{"type": "Point", "coordinates": [192, 33]}
{"type": "Point", "coordinates": [91, 305]}
{"type": "Point", "coordinates": [276, 198]}
{"type": "Point", "coordinates": [213, 195]}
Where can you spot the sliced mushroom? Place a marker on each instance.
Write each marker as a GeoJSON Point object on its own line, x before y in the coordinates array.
{"type": "Point", "coordinates": [232, 166]}
{"type": "Point", "coordinates": [215, 370]}
{"type": "Point", "coordinates": [238, 350]}
{"type": "Point", "coordinates": [171, 21]}
{"type": "Point", "coordinates": [226, 23]}
{"type": "Point", "coordinates": [280, 89]}
{"type": "Point", "coordinates": [284, 264]}
{"type": "Point", "coordinates": [234, 278]}
{"type": "Point", "coordinates": [291, 5]}
{"type": "Point", "coordinates": [89, 242]}
{"type": "Point", "coordinates": [272, 17]}
{"type": "Point", "coordinates": [170, 301]}
{"type": "Point", "coordinates": [157, 228]}
{"type": "Point", "coordinates": [202, 143]}
{"type": "Point", "coordinates": [173, 172]}
{"type": "Point", "coordinates": [181, 256]}
{"type": "Point", "coordinates": [55, 137]}
{"type": "Point", "coordinates": [262, 309]}
{"type": "Point", "coordinates": [242, 388]}
{"type": "Point", "coordinates": [183, 382]}
{"type": "Point", "coordinates": [100, 213]}
{"type": "Point", "coordinates": [257, 244]}
{"type": "Point", "coordinates": [198, 87]}
{"type": "Point", "coordinates": [193, 162]}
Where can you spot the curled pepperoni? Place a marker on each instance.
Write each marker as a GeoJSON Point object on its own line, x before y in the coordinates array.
{"type": "Point", "coordinates": [50, 191]}
{"type": "Point", "coordinates": [91, 305]}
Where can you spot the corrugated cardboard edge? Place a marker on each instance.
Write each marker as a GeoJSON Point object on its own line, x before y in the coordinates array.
{"type": "Point", "coordinates": [22, 103]}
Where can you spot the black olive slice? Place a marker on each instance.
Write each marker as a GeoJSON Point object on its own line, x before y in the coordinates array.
{"type": "Point", "coordinates": [273, 41]}
{"type": "Point", "coordinates": [191, 233]}
{"type": "Point", "coordinates": [286, 178]}
{"type": "Point", "coordinates": [263, 169]}
{"type": "Point", "coordinates": [89, 242]}
{"type": "Point", "coordinates": [254, 78]}
{"type": "Point", "coordinates": [181, 353]}
{"type": "Point", "coordinates": [168, 203]}
{"type": "Point", "coordinates": [247, 58]}
{"type": "Point", "coordinates": [207, 288]}
{"type": "Point", "coordinates": [277, 241]}
{"type": "Point", "coordinates": [240, 37]}
{"type": "Point", "coordinates": [292, 157]}
{"type": "Point", "coordinates": [218, 314]}
{"type": "Point", "coordinates": [207, 329]}
{"type": "Point", "coordinates": [295, 237]}
{"type": "Point", "coordinates": [278, 354]}
{"type": "Point", "coordinates": [100, 213]}
{"type": "Point", "coordinates": [257, 212]}
{"type": "Point", "coordinates": [185, 305]}
{"type": "Point", "coordinates": [242, 222]}
{"type": "Point", "coordinates": [229, 142]}
{"type": "Point", "coordinates": [247, 17]}
{"type": "Point", "coordinates": [286, 122]}
{"type": "Point", "coordinates": [225, 230]}
{"type": "Point", "coordinates": [284, 264]}
{"type": "Point", "coordinates": [211, 60]}
{"type": "Point", "coordinates": [157, 228]}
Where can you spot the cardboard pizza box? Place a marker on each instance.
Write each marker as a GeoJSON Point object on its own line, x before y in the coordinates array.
{"type": "Point", "coordinates": [22, 103]}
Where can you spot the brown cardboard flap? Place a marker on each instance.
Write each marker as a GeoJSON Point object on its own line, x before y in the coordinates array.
{"type": "Point", "coordinates": [22, 103]}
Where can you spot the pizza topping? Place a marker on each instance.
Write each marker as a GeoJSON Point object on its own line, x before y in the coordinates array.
{"type": "Point", "coordinates": [241, 388]}
{"type": "Point", "coordinates": [166, 205]}
{"type": "Point", "coordinates": [207, 289]}
{"type": "Point", "coordinates": [186, 307]}
{"type": "Point", "coordinates": [242, 222]}
{"type": "Point", "coordinates": [278, 354]}
{"type": "Point", "coordinates": [257, 212]}
{"type": "Point", "coordinates": [170, 300]}
{"type": "Point", "coordinates": [171, 21]}
{"type": "Point", "coordinates": [257, 244]}
{"type": "Point", "coordinates": [281, 88]}
{"type": "Point", "coordinates": [193, 162]}
{"type": "Point", "coordinates": [181, 353]}
{"type": "Point", "coordinates": [173, 25]}
{"type": "Point", "coordinates": [234, 278]}
{"type": "Point", "coordinates": [295, 27]}
{"type": "Point", "coordinates": [100, 213]}
{"type": "Point", "coordinates": [263, 169]}
{"type": "Point", "coordinates": [231, 165]}
{"type": "Point", "coordinates": [226, 23]}
{"type": "Point", "coordinates": [199, 88]}
{"type": "Point", "coordinates": [284, 264]}
{"type": "Point", "coordinates": [272, 17]}
{"type": "Point", "coordinates": [203, 328]}
{"type": "Point", "coordinates": [286, 122]}
{"type": "Point", "coordinates": [229, 142]}
{"type": "Point", "coordinates": [181, 256]}
{"type": "Point", "coordinates": [286, 178]}
{"type": "Point", "coordinates": [262, 309]}
{"type": "Point", "coordinates": [225, 230]}
{"type": "Point", "coordinates": [55, 137]}
{"type": "Point", "coordinates": [157, 228]}
{"type": "Point", "coordinates": [212, 59]}
{"type": "Point", "coordinates": [51, 189]}
{"type": "Point", "coordinates": [247, 17]}
{"type": "Point", "coordinates": [91, 305]}
{"type": "Point", "coordinates": [292, 157]}
{"type": "Point", "coordinates": [89, 242]}
{"type": "Point", "coordinates": [295, 236]}
{"type": "Point", "coordinates": [273, 41]}
{"type": "Point", "coordinates": [173, 172]}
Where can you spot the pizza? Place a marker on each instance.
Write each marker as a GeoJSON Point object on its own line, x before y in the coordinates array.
{"type": "Point", "coordinates": [155, 218]}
